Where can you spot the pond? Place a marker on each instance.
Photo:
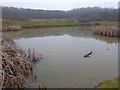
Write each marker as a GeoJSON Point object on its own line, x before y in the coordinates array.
{"type": "Point", "coordinates": [63, 64]}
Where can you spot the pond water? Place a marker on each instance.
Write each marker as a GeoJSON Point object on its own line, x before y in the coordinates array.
{"type": "Point", "coordinates": [63, 64]}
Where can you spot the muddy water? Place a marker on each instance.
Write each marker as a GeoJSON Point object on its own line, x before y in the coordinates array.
{"type": "Point", "coordinates": [63, 64]}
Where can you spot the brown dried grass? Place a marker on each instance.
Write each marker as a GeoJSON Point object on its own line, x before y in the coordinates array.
{"type": "Point", "coordinates": [15, 64]}
{"type": "Point", "coordinates": [11, 28]}
{"type": "Point", "coordinates": [109, 30]}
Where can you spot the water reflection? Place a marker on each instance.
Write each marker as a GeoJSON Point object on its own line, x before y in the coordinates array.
{"type": "Point", "coordinates": [109, 40]}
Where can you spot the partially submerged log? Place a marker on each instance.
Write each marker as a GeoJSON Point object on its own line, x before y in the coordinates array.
{"type": "Point", "coordinates": [109, 30]}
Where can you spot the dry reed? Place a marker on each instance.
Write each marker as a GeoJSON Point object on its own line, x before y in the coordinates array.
{"type": "Point", "coordinates": [11, 28]}
{"type": "Point", "coordinates": [15, 64]}
{"type": "Point", "coordinates": [109, 30]}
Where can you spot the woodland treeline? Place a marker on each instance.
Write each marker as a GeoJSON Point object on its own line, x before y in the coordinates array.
{"type": "Point", "coordinates": [81, 14]}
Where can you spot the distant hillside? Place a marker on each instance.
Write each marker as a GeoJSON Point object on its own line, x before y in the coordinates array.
{"type": "Point", "coordinates": [84, 14]}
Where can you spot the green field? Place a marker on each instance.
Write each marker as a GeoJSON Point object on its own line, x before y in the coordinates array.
{"type": "Point", "coordinates": [54, 22]}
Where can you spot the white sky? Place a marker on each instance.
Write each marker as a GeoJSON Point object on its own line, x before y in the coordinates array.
{"type": "Point", "coordinates": [58, 4]}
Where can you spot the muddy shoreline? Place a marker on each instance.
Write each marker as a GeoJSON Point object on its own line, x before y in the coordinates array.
{"type": "Point", "coordinates": [58, 26]}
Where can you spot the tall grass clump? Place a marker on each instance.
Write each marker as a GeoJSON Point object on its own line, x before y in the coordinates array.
{"type": "Point", "coordinates": [108, 30]}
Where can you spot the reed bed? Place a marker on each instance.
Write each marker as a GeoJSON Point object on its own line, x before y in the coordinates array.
{"type": "Point", "coordinates": [1, 75]}
{"type": "Point", "coordinates": [109, 30]}
{"type": "Point", "coordinates": [15, 64]}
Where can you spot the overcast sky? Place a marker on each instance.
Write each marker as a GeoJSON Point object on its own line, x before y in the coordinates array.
{"type": "Point", "coordinates": [59, 4]}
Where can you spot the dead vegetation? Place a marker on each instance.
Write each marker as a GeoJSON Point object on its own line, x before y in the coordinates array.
{"type": "Point", "coordinates": [15, 64]}
{"type": "Point", "coordinates": [11, 28]}
{"type": "Point", "coordinates": [1, 74]}
{"type": "Point", "coordinates": [109, 30]}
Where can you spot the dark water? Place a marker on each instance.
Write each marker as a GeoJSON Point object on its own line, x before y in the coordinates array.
{"type": "Point", "coordinates": [63, 64]}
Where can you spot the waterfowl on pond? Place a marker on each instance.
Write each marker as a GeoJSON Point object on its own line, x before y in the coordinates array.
{"type": "Point", "coordinates": [88, 55]}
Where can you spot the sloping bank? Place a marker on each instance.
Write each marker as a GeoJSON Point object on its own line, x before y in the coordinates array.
{"type": "Point", "coordinates": [15, 64]}
{"type": "Point", "coordinates": [115, 83]}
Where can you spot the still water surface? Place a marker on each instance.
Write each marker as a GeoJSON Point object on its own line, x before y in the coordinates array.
{"type": "Point", "coordinates": [63, 49]}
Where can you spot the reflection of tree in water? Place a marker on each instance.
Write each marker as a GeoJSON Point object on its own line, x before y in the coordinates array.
{"type": "Point", "coordinates": [108, 40]}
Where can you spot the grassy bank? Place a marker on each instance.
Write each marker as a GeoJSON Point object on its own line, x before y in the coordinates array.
{"type": "Point", "coordinates": [54, 22]}
{"type": "Point", "coordinates": [109, 83]}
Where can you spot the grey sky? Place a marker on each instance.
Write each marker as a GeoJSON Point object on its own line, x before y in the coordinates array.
{"type": "Point", "coordinates": [58, 4]}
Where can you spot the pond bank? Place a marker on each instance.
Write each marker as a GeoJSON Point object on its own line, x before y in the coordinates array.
{"type": "Point", "coordinates": [36, 23]}
{"type": "Point", "coordinates": [57, 26]}
{"type": "Point", "coordinates": [109, 83]}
